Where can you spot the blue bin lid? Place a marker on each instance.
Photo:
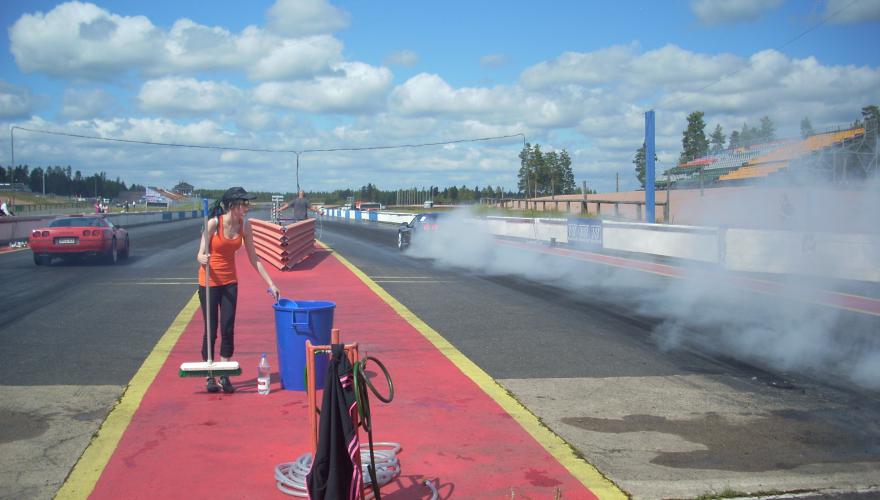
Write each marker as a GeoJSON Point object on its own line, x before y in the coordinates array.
{"type": "Point", "coordinates": [302, 305]}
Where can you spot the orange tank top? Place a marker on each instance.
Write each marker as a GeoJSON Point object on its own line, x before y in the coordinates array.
{"type": "Point", "coordinates": [222, 258]}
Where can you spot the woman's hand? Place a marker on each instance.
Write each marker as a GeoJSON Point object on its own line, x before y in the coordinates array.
{"type": "Point", "coordinates": [203, 258]}
{"type": "Point", "coordinates": [274, 292]}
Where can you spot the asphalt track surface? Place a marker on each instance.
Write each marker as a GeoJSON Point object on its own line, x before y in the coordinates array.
{"type": "Point", "coordinates": [661, 422]}
{"type": "Point", "coordinates": [72, 336]}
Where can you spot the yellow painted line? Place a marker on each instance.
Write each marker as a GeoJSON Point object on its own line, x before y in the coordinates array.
{"type": "Point", "coordinates": [88, 469]}
{"type": "Point", "coordinates": [421, 282]}
{"type": "Point", "coordinates": [402, 278]}
{"type": "Point", "coordinates": [13, 250]}
{"type": "Point", "coordinates": [588, 475]}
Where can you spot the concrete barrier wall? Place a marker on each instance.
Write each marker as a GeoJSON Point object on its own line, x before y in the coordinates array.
{"type": "Point", "coordinates": [18, 228]}
{"type": "Point", "coordinates": [829, 255]}
{"type": "Point", "coordinates": [851, 256]}
{"type": "Point", "coordinates": [681, 242]}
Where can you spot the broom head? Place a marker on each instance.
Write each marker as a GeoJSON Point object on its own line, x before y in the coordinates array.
{"type": "Point", "coordinates": [214, 369]}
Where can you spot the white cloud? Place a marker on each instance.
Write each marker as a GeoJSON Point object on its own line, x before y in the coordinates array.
{"type": "Point", "coordinates": [84, 40]}
{"type": "Point", "coordinates": [427, 94]}
{"type": "Point", "coordinates": [15, 101]}
{"type": "Point", "coordinates": [299, 58]}
{"type": "Point", "coordinates": [306, 17]}
{"type": "Point", "coordinates": [598, 67]}
{"type": "Point", "coordinates": [190, 46]}
{"type": "Point", "coordinates": [714, 12]}
{"type": "Point", "coordinates": [188, 95]}
{"type": "Point", "coordinates": [848, 11]}
{"type": "Point", "coordinates": [407, 58]}
{"type": "Point", "coordinates": [84, 104]}
{"type": "Point", "coordinates": [290, 87]}
{"type": "Point", "coordinates": [353, 88]}
{"type": "Point", "coordinates": [493, 60]}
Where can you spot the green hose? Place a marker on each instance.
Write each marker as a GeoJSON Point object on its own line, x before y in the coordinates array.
{"type": "Point", "coordinates": [361, 383]}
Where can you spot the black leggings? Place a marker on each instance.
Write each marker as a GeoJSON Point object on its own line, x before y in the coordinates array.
{"type": "Point", "coordinates": [226, 297]}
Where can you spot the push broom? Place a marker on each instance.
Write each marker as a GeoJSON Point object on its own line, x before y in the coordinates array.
{"type": "Point", "coordinates": [209, 368]}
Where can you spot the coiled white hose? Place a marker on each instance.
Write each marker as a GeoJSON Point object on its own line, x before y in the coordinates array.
{"type": "Point", "coordinates": [290, 477]}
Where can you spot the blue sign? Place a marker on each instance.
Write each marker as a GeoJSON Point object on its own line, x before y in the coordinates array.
{"type": "Point", "coordinates": [585, 232]}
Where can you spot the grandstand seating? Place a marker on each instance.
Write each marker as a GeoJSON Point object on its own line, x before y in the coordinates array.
{"type": "Point", "coordinates": [778, 158]}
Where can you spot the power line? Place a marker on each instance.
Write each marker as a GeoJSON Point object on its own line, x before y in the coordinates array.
{"type": "Point", "coordinates": [255, 150]}
{"type": "Point", "coordinates": [266, 150]}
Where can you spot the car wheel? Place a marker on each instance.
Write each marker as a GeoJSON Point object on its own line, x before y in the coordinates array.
{"type": "Point", "coordinates": [401, 243]}
{"type": "Point", "coordinates": [113, 254]}
{"type": "Point", "coordinates": [42, 260]}
{"type": "Point", "coordinates": [126, 250]}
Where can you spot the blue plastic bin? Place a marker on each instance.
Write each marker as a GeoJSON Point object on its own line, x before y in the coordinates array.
{"type": "Point", "coordinates": [296, 322]}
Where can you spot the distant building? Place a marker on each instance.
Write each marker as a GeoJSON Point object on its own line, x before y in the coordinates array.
{"type": "Point", "coordinates": [17, 186]}
{"type": "Point", "coordinates": [184, 189]}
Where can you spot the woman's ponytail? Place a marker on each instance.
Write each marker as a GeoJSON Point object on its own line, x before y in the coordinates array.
{"type": "Point", "coordinates": [217, 209]}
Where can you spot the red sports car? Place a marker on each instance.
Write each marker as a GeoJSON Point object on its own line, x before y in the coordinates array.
{"type": "Point", "coordinates": [79, 235]}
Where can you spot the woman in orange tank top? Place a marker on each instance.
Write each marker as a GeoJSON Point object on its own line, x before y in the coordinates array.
{"type": "Point", "coordinates": [228, 231]}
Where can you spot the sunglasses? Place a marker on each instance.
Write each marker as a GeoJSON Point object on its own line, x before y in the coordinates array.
{"type": "Point", "coordinates": [243, 202]}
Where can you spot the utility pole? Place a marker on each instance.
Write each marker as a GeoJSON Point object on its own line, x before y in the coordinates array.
{"type": "Point", "coordinates": [12, 174]}
{"type": "Point", "coordinates": [668, 198]}
{"type": "Point", "coordinates": [649, 167]}
{"type": "Point", "coordinates": [617, 182]}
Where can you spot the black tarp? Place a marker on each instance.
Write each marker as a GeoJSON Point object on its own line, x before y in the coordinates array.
{"type": "Point", "coordinates": [334, 474]}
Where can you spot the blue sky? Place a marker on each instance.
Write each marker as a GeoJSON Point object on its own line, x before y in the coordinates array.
{"type": "Point", "coordinates": [311, 74]}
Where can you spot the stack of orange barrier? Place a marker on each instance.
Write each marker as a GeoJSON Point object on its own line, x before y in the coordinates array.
{"type": "Point", "coordinates": [283, 246]}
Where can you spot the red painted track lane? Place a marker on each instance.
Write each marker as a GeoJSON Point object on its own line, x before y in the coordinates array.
{"type": "Point", "coordinates": [184, 442]}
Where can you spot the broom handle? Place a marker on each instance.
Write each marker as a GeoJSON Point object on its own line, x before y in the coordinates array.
{"type": "Point", "coordinates": [207, 286]}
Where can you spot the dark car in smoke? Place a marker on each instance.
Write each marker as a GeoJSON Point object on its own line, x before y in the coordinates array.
{"type": "Point", "coordinates": [419, 224]}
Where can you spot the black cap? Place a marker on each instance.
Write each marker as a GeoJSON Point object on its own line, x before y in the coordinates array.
{"type": "Point", "coordinates": [237, 193]}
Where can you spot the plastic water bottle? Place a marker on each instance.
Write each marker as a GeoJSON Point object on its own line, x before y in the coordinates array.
{"type": "Point", "coordinates": [263, 376]}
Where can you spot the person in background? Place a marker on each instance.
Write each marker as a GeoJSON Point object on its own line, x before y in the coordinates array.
{"type": "Point", "coordinates": [227, 230]}
{"type": "Point", "coordinates": [6, 208]}
{"type": "Point", "coordinates": [300, 207]}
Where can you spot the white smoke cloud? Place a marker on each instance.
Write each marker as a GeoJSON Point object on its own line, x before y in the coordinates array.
{"type": "Point", "coordinates": [785, 330]}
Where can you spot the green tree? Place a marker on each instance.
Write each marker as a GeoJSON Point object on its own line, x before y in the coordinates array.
{"type": "Point", "coordinates": [568, 183]}
{"type": "Point", "coordinates": [639, 161]}
{"type": "Point", "coordinates": [806, 128]}
{"type": "Point", "coordinates": [734, 140]}
{"type": "Point", "coordinates": [693, 140]}
{"type": "Point", "coordinates": [871, 117]}
{"type": "Point", "coordinates": [717, 140]}
{"type": "Point", "coordinates": [553, 174]}
{"type": "Point", "coordinates": [540, 171]}
{"type": "Point", "coordinates": [525, 175]}
{"type": "Point", "coordinates": [767, 132]}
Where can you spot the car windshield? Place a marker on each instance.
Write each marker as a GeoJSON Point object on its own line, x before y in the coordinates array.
{"type": "Point", "coordinates": [427, 218]}
{"type": "Point", "coordinates": [78, 222]}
